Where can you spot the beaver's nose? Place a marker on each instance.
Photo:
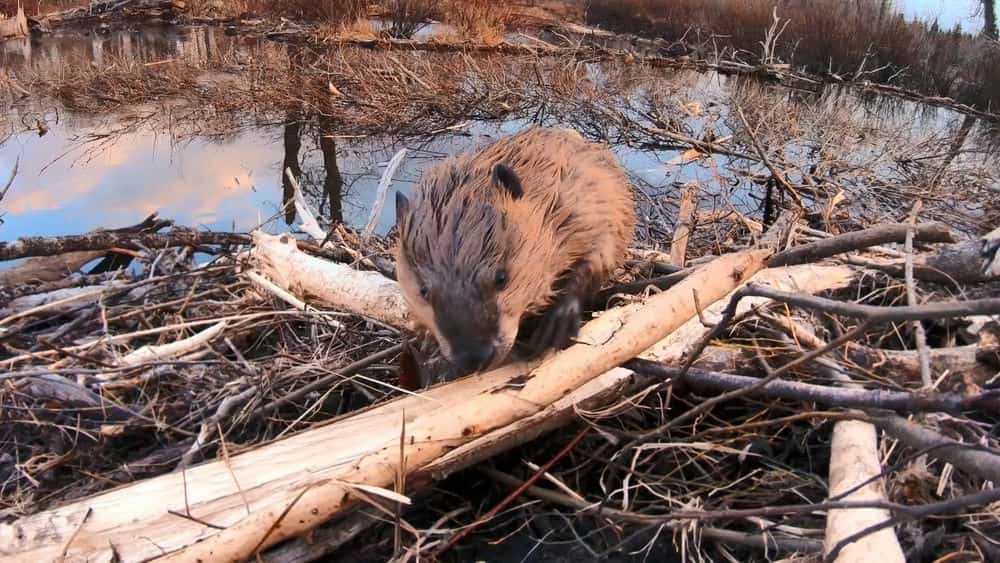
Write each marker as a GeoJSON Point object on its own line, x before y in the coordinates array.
{"type": "Point", "coordinates": [474, 356]}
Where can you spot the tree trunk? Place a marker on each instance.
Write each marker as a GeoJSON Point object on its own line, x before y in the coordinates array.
{"type": "Point", "coordinates": [333, 185]}
{"type": "Point", "coordinates": [990, 19]}
{"type": "Point", "coordinates": [293, 142]}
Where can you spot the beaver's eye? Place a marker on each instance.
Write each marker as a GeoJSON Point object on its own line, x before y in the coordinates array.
{"type": "Point", "coordinates": [424, 292]}
{"type": "Point", "coordinates": [501, 279]}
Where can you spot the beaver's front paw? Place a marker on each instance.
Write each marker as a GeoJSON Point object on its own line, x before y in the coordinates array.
{"type": "Point", "coordinates": [558, 325]}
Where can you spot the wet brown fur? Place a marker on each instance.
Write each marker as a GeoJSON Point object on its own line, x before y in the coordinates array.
{"type": "Point", "coordinates": [576, 211]}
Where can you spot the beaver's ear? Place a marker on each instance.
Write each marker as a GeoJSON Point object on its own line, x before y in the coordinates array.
{"type": "Point", "coordinates": [402, 206]}
{"type": "Point", "coordinates": [505, 177]}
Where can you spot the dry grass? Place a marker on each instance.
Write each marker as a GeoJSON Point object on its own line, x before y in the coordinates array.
{"type": "Point", "coordinates": [33, 7]}
{"type": "Point", "coordinates": [338, 12]}
{"type": "Point", "coordinates": [867, 38]}
{"type": "Point", "coordinates": [479, 20]}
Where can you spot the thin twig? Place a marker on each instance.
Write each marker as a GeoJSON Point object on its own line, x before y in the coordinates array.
{"type": "Point", "coordinates": [778, 176]}
{"type": "Point", "coordinates": [513, 495]}
{"type": "Point", "coordinates": [911, 299]}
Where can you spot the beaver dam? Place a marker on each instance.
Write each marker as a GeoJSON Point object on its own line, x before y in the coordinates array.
{"type": "Point", "coordinates": [205, 356]}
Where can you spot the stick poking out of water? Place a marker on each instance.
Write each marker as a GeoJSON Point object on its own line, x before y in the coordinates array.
{"type": "Point", "coordinates": [383, 188]}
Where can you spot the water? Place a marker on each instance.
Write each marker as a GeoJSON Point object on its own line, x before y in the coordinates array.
{"type": "Point", "coordinates": [113, 169]}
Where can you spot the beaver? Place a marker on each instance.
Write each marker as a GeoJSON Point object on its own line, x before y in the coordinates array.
{"type": "Point", "coordinates": [509, 243]}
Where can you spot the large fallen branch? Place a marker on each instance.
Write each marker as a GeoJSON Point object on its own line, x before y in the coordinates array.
{"type": "Point", "coordinates": [963, 262]}
{"type": "Point", "coordinates": [104, 240]}
{"type": "Point", "coordinates": [903, 401]}
{"type": "Point", "coordinates": [882, 234]}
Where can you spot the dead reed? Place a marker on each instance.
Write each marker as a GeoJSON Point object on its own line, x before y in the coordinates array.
{"type": "Point", "coordinates": [480, 20]}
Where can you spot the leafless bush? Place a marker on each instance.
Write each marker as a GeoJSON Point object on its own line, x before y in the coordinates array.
{"type": "Point", "coordinates": [407, 17]}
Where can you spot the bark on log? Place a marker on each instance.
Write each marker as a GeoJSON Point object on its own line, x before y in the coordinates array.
{"type": "Point", "coordinates": [104, 240]}
{"type": "Point", "coordinates": [967, 457]}
{"type": "Point", "coordinates": [58, 301]}
{"type": "Point", "coordinates": [962, 262]}
{"type": "Point", "coordinates": [882, 234]}
{"type": "Point", "coordinates": [852, 397]}
{"type": "Point", "coordinates": [42, 269]}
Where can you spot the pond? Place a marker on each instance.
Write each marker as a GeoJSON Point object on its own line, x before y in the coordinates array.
{"type": "Point", "coordinates": [78, 171]}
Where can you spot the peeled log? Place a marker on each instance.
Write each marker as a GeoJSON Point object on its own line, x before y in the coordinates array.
{"type": "Point", "coordinates": [854, 460]}
{"type": "Point", "coordinates": [336, 285]}
{"type": "Point", "coordinates": [614, 337]}
{"type": "Point", "coordinates": [806, 279]}
{"type": "Point", "coordinates": [268, 475]}
{"type": "Point", "coordinates": [171, 350]}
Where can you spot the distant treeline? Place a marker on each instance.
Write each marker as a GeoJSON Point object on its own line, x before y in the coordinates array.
{"type": "Point", "coordinates": [837, 36]}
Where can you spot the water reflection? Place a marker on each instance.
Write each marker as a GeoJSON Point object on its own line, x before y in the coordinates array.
{"type": "Point", "coordinates": [142, 44]}
{"type": "Point", "coordinates": [227, 173]}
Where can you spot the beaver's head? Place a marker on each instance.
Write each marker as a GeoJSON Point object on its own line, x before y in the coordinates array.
{"type": "Point", "coordinates": [471, 260]}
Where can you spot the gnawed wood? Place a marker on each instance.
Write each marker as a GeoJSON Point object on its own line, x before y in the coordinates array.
{"type": "Point", "coordinates": [805, 278]}
{"type": "Point", "coordinates": [853, 461]}
{"type": "Point", "coordinates": [319, 281]}
{"type": "Point", "coordinates": [365, 445]}
{"type": "Point", "coordinates": [176, 349]}
{"type": "Point", "coordinates": [685, 224]}
{"type": "Point", "coordinates": [810, 279]}
{"type": "Point", "coordinates": [269, 475]}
